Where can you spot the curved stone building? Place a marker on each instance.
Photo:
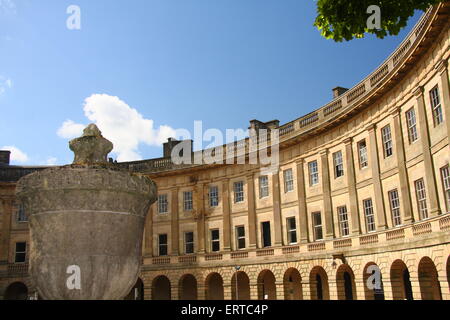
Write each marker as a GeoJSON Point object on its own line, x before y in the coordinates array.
{"type": "Point", "coordinates": [363, 193]}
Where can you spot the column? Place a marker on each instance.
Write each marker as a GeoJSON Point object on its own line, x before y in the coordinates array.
{"type": "Point", "coordinates": [277, 209]}
{"type": "Point", "coordinates": [251, 211]}
{"type": "Point", "coordinates": [415, 286]}
{"type": "Point", "coordinates": [279, 285]}
{"type": "Point", "coordinates": [376, 178]}
{"type": "Point", "coordinates": [174, 291]}
{"type": "Point", "coordinates": [332, 286]}
{"type": "Point", "coordinates": [442, 68]}
{"type": "Point", "coordinates": [200, 217]}
{"type": "Point", "coordinates": [226, 215]}
{"type": "Point", "coordinates": [360, 293]}
{"type": "Point", "coordinates": [301, 195]}
{"type": "Point", "coordinates": [306, 289]}
{"type": "Point", "coordinates": [326, 190]}
{"type": "Point", "coordinates": [387, 287]}
{"type": "Point", "coordinates": [430, 179]}
{"type": "Point", "coordinates": [201, 291]}
{"type": "Point", "coordinates": [8, 211]}
{"type": "Point", "coordinates": [402, 171]}
{"type": "Point", "coordinates": [174, 222]}
{"type": "Point", "coordinates": [253, 290]}
{"type": "Point", "coordinates": [148, 250]}
{"type": "Point", "coordinates": [351, 182]}
{"type": "Point", "coordinates": [147, 289]}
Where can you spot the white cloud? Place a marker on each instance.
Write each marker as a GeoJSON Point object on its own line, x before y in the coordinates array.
{"type": "Point", "coordinates": [70, 129]}
{"type": "Point", "coordinates": [5, 83]}
{"type": "Point", "coordinates": [120, 123]}
{"type": "Point", "coordinates": [51, 161]}
{"type": "Point", "coordinates": [7, 6]}
{"type": "Point", "coordinates": [16, 154]}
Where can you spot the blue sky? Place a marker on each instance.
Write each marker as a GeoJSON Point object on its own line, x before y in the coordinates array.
{"type": "Point", "coordinates": [142, 68]}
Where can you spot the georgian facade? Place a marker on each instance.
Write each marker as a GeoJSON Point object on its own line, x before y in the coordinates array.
{"type": "Point", "coordinates": [363, 181]}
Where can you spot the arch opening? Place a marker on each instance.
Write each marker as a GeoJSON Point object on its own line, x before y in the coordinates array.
{"type": "Point", "coordinates": [188, 287]}
{"type": "Point", "coordinates": [376, 290]}
{"type": "Point", "coordinates": [292, 283]}
{"type": "Point", "coordinates": [137, 292]}
{"type": "Point", "coordinates": [345, 281]}
{"type": "Point", "coordinates": [430, 288]}
{"type": "Point", "coordinates": [318, 280]}
{"type": "Point", "coordinates": [161, 289]}
{"type": "Point", "coordinates": [400, 281]}
{"type": "Point", "coordinates": [214, 287]}
{"type": "Point", "coordinates": [267, 289]}
{"type": "Point", "coordinates": [242, 282]}
{"type": "Point", "coordinates": [16, 291]}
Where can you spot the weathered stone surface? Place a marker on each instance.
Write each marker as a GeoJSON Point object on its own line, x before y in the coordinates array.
{"type": "Point", "coordinates": [90, 215]}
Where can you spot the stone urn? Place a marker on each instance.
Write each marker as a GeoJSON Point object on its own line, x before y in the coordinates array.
{"type": "Point", "coordinates": [86, 224]}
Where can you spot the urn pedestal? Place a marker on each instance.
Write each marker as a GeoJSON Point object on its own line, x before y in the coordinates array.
{"type": "Point", "coordinates": [86, 224]}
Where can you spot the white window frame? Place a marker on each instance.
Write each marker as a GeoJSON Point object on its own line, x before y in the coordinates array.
{"type": "Point", "coordinates": [421, 197]}
{"type": "Point", "coordinates": [213, 196]}
{"type": "Point", "coordinates": [24, 253]}
{"type": "Point", "coordinates": [163, 204]}
{"type": "Point", "coordinates": [369, 215]}
{"type": "Point", "coordinates": [291, 231]}
{"type": "Point", "coordinates": [394, 201]}
{"type": "Point", "coordinates": [411, 122]}
{"type": "Point", "coordinates": [386, 136]}
{"type": "Point", "coordinates": [238, 188]}
{"type": "Point", "coordinates": [445, 174]}
{"type": "Point", "coordinates": [240, 237]}
{"type": "Point", "coordinates": [313, 168]}
{"type": "Point", "coordinates": [344, 226]}
{"type": "Point", "coordinates": [213, 241]}
{"type": "Point", "coordinates": [362, 154]}
{"type": "Point", "coordinates": [190, 243]}
{"type": "Point", "coordinates": [317, 227]}
{"type": "Point", "coordinates": [263, 187]}
{"type": "Point", "coordinates": [166, 245]}
{"type": "Point", "coordinates": [436, 106]}
{"type": "Point", "coordinates": [338, 162]}
{"type": "Point", "coordinates": [288, 177]}
{"type": "Point", "coordinates": [188, 204]}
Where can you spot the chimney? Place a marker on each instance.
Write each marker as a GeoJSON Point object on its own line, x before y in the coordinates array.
{"type": "Point", "coordinates": [4, 157]}
{"type": "Point", "coordinates": [338, 91]}
{"type": "Point", "coordinates": [171, 143]}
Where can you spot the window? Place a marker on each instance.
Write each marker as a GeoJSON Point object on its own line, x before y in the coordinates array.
{"type": "Point", "coordinates": [21, 214]}
{"type": "Point", "coordinates": [263, 187]}
{"type": "Point", "coordinates": [338, 164]}
{"type": "Point", "coordinates": [213, 196]}
{"type": "Point", "coordinates": [411, 122]}
{"type": "Point", "coordinates": [421, 199]}
{"type": "Point", "coordinates": [21, 252]}
{"type": "Point", "coordinates": [362, 153]}
{"type": "Point", "coordinates": [313, 173]}
{"type": "Point", "coordinates": [215, 240]}
{"type": "Point", "coordinates": [163, 204]}
{"type": "Point", "coordinates": [317, 226]}
{"type": "Point", "coordinates": [445, 173]}
{"type": "Point", "coordinates": [266, 237]}
{"type": "Point", "coordinates": [395, 207]}
{"type": "Point", "coordinates": [288, 180]}
{"type": "Point", "coordinates": [187, 200]}
{"type": "Point", "coordinates": [387, 141]}
{"type": "Point", "coordinates": [368, 213]}
{"type": "Point", "coordinates": [240, 237]}
{"type": "Point", "coordinates": [189, 242]}
{"type": "Point", "coordinates": [162, 244]}
{"type": "Point", "coordinates": [238, 192]}
{"type": "Point", "coordinates": [291, 230]}
{"type": "Point", "coordinates": [343, 221]}
{"type": "Point", "coordinates": [436, 106]}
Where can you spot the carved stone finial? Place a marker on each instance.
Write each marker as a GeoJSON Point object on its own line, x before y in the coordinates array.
{"type": "Point", "coordinates": [91, 147]}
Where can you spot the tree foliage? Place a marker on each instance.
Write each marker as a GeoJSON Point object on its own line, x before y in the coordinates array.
{"type": "Point", "coordinates": [347, 19]}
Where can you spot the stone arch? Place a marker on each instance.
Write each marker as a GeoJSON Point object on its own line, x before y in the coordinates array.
{"type": "Point", "coordinates": [318, 280]}
{"type": "Point", "coordinates": [243, 286]}
{"type": "Point", "coordinates": [267, 289]}
{"type": "Point", "coordinates": [430, 288]}
{"type": "Point", "coordinates": [16, 291]}
{"type": "Point", "coordinates": [292, 283]}
{"type": "Point", "coordinates": [400, 281]}
{"type": "Point", "coordinates": [187, 287]}
{"type": "Point", "coordinates": [345, 282]}
{"type": "Point", "coordinates": [377, 290]}
{"type": "Point", "coordinates": [214, 287]}
{"type": "Point", "coordinates": [137, 292]}
{"type": "Point", "coordinates": [161, 288]}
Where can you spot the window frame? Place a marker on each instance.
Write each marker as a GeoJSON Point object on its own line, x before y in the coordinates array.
{"type": "Point", "coordinates": [411, 124]}
{"type": "Point", "coordinates": [436, 106]}
{"type": "Point", "coordinates": [188, 202]}
{"type": "Point", "coordinates": [238, 194]}
{"type": "Point", "coordinates": [240, 237]}
{"type": "Point", "coordinates": [363, 163]}
{"type": "Point", "coordinates": [166, 203]}
{"type": "Point", "coordinates": [394, 203]}
{"type": "Point", "coordinates": [165, 245]}
{"type": "Point", "coordinates": [445, 176]}
{"type": "Point", "coordinates": [386, 138]}
{"type": "Point", "coordinates": [17, 252]}
{"type": "Point", "coordinates": [215, 240]}
{"type": "Point", "coordinates": [22, 216]}
{"type": "Point", "coordinates": [344, 225]}
{"type": "Point", "coordinates": [313, 170]}
{"type": "Point", "coordinates": [291, 230]}
{"type": "Point", "coordinates": [369, 216]}
{"type": "Point", "coordinates": [213, 196]}
{"type": "Point", "coordinates": [189, 243]}
{"type": "Point", "coordinates": [263, 187]}
{"type": "Point", "coordinates": [317, 227]}
{"type": "Point", "coordinates": [288, 178]}
{"type": "Point", "coordinates": [421, 198]}
{"type": "Point", "coordinates": [338, 164]}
